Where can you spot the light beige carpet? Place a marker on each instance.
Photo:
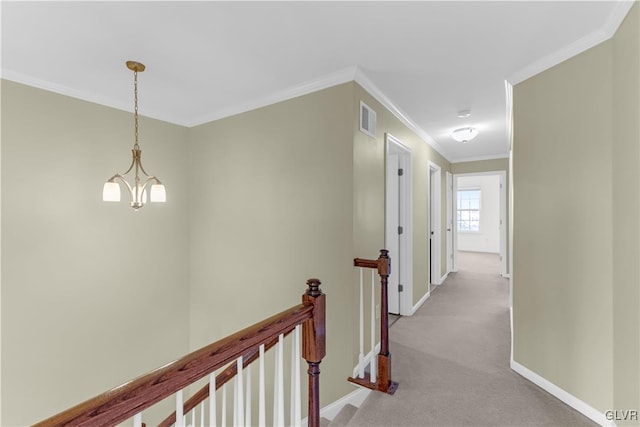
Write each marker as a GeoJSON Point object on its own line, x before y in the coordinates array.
{"type": "Point", "coordinates": [452, 361]}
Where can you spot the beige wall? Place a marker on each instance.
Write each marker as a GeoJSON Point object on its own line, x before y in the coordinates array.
{"type": "Point", "coordinates": [258, 203]}
{"type": "Point", "coordinates": [481, 166]}
{"type": "Point", "coordinates": [369, 182]}
{"type": "Point", "coordinates": [626, 213]}
{"type": "Point", "coordinates": [568, 288]}
{"type": "Point", "coordinates": [93, 294]}
{"type": "Point", "coordinates": [271, 206]}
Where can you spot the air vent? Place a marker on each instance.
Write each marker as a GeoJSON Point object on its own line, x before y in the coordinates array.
{"type": "Point", "coordinates": [367, 120]}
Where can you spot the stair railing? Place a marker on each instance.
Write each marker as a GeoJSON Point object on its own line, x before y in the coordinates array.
{"type": "Point", "coordinates": [378, 376]}
{"type": "Point", "coordinates": [234, 355]}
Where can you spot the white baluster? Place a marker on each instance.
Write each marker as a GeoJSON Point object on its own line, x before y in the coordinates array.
{"type": "Point", "coordinates": [238, 402]}
{"type": "Point", "coordinates": [202, 414]}
{"type": "Point", "coordinates": [261, 392]}
{"type": "Point", "coordinates": [212, 400]}
{"type": "Point", "coordinates": [361, 355]}
{"type": "Point", "coordinates": [295, 378]}
{"type": "Point", "coordinates": [223, 420]}
{"type": "Point", "coordinates": [374, 358]}
{"type": "Point", "coordinates": [179, 408]}
{"type": "Point", "coordinates": [278, 392]}
{"type": "Point", "coordinates": [137, 420]}
{"type": "Point", "coordinates": [247, 403]}
{"type": "Point", "coordinates": [193, 417]}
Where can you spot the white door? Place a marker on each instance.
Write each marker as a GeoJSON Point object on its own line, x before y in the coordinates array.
{"type": "Point", "coordinates": [434, 223]}
{"type": "Point", "coordinates": [398, 225]}
{"type": "Point", "coordinates": [393, 239]}
{"type": "Point", "coordinates": [449, 220]}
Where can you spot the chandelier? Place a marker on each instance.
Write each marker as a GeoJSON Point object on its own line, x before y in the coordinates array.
{"type": "Point", "coordinates": [138, 189]}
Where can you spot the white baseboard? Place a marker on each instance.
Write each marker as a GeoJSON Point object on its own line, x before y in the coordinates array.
{"type": "Point", "coordinates": [566, 397]}
{"type": "Point", "coordinates": [419, 303]}
{"type": "Point", "coordinates": [506, 276]}
{"type": "Point", "coordinates": [443, 278]}
{"type": "Point", "coordinates": [354, 398]}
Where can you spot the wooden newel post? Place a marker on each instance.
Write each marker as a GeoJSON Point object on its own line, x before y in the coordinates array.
{"type": "Point", "coordinates": [314, 346]}
{"type": "Point", "coordinates": [384, 382]}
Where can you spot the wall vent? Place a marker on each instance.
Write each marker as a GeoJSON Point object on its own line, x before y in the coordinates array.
{"type": "Point", "coordinates": [367, 120]}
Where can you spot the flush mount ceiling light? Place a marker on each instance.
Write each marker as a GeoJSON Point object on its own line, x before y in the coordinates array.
{"type": "Point", "coordinates": [463, 114]}
{"type": "Point", "coordinates": [464, 134]}
{"type": "Point", "coordinates": [137, 190]}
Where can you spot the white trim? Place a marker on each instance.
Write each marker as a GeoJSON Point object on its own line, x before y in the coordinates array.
{"type": "Point", "coordinates": [329, 80]}
{"type": "Point", "coordinates": [478, 158]}
{"type": "Point", "coordinates": [604, 33]}
{"type": "Point", "coordinates": [394, 146]}
{"type": "Point", "coordinates": [561, 394]}
{"type": "Point", "coordinates": [374, 91]}
{"type": "Point", "coordinates": [435, 208]}
{"type": "Point", "coordinates": [506, 276]}
{"type": "Point", "coordinates": [424, 298]}
{"type": "Point", "coordinates": [341, 76]}
{"type": "Point", "coordinates": [443, 278]}
{"type": "Point", "coordinates": [503, 218]}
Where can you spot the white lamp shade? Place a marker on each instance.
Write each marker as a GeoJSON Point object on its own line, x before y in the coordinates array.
{"type": "Point", "coordinates": [111, 192]}
{"type": "Point", "coordinates": [158, 193]}
{"type": "Point", "coordinates": [464, 134]}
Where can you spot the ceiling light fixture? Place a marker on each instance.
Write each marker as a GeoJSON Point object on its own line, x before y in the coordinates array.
{"type": "Point", "coordinates": [463, 114]}
{"type": "Point", "coordinates": [464, 134]}
{"type": "Point", "coordinates": [137, 191]}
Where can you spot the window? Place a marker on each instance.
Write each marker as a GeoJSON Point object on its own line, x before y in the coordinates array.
{"type": "Point", "coordinates": [468, 213]}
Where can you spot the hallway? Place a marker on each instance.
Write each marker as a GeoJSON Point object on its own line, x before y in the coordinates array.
{"type": "Point", "coordinates": [451, 360]}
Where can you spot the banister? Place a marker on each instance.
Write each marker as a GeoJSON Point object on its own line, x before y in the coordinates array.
{"type": "Point", "coordinates": [383, 380]}
{"type": "Point", "coordinates": [123, 402]}
{"type": "Point", "coordinates": [222, 378]}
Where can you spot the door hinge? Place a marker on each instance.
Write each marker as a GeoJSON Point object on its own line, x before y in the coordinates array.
{"type": "Point", "coordinates": [400, 288]}
{"type": "Point", "coordinates": [400, 172]}
{"type": "Point", "coordinates": [400, 229]}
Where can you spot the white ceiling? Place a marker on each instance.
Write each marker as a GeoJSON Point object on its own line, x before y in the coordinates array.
{"type": "Point", "coordinates": [205, 60]}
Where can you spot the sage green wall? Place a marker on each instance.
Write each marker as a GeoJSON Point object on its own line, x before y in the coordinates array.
{"type": "Point", "coordinates": [369, 190]}
{"type": "Point", "coordinates": [626, 213]}
{"type": "Point", "coordinates": [93, 294]}
{"type": "Point", "coordinates": [576, 223]}
{"type": "Point", "coordinates": [489, 166]}
{"type": "Point", "coordinates": [481, 166]}
{"type": "Point", "coordinates": [271, 206]}
{"type": "Point", "coordinates": [563, 268]}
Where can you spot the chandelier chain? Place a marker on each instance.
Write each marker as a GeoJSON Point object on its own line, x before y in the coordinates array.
{"type": "Point", "coordinates": [135, 101]}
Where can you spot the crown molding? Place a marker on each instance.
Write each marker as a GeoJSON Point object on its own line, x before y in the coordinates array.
{"type": "Point", "coordinates": [77, 94]}
{"type": "Point", "coordinates": [364, 81]}
{"type": "Point", "coordinates": [341, 76]}
{"type": "Point", "coordinates": [607, 31]}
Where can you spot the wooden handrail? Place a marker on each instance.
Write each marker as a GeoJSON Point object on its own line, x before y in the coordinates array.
{"type": "Point", "coordinates": [127, 400]}
{"type": "Point", "coordinates": [383, 381]}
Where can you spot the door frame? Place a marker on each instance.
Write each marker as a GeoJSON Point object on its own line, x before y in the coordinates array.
{"type": "Point", "coordinates": [393, 146]}
{"type": "Point", "coordinates": [435, 209]}
{"type": "Point", "coordinates": [449, 221]}
{"type": "Point", "coordinates": [503, 218]}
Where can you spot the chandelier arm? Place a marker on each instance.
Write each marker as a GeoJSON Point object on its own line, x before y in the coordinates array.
{"type": "Point", "coordinates": [124, 181]}
{"type": "Point", "coordinates": [133, 162]}
{"type": "Point", "coordinates": [140, 164]}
